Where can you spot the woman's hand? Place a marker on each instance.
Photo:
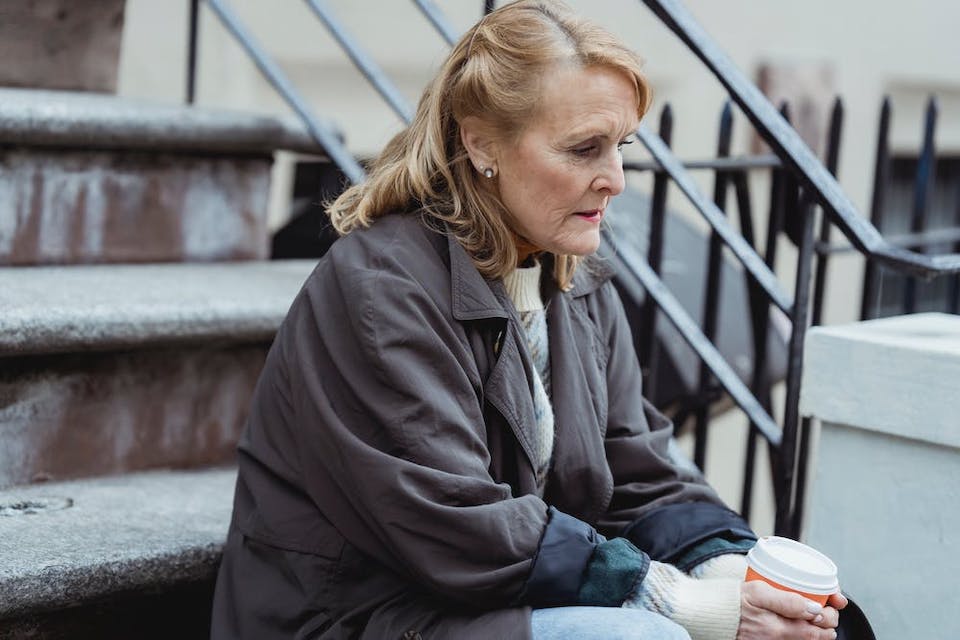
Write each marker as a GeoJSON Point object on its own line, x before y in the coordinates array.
{"type": "Point", "coordinates": [830, 616]}
{"type": "Point", "coordinates": [772, 614]}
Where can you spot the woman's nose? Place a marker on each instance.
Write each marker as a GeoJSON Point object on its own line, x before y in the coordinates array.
{"type": "Point", "coordinates": [610, 179]}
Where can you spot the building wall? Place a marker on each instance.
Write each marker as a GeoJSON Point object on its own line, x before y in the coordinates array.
{"type": "Point", "coordinates": [867, 49]}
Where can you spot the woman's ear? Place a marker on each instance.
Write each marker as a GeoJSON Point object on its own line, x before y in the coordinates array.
{"type": "Point", "coordinates": [480, 143]}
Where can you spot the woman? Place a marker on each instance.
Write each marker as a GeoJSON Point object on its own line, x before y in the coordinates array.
{"type": "Point", "coordinates": [448, 438]}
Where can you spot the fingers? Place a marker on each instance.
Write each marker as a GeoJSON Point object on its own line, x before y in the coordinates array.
{"type": "Point", "coordinates": [783, 629]}
{"type": "Point", "coordinates": [768, 613]}
{"type": "Point", "coordinates": [800, 630]}
{"type": "Point", "coordinates": [783, 603]}
{"type": "Point", "coordinates": [829, 618]}
{"type": "Point", "coordinates": [765, 625]}
{"type": "Point", "coordinates": [838, 601]}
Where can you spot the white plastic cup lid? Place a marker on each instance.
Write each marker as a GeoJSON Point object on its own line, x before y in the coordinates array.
{"type": "Point", "coordinates": [794, 565]}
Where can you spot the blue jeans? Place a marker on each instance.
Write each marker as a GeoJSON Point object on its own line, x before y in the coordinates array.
{"type": "Point", "coordinates": [603, 623]}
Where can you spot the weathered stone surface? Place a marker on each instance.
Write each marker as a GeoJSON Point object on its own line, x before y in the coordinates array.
{"type": "Point", "coordinates": [62, 44]}
{"type": "Point", "coordinates": [106, 369]}
{"type": "Point", "coordinates": [94, 179]}
{"type": "Point", "coordinates": [87, 207]}
{"type": "Point", "coordinates": [66, 120]}
{"type": "Point", "coordinates": [48, 310]}
{"type": "Point", "coordinates": [74, 416]}
{"type": "Point", "coordinates": [122, 534]}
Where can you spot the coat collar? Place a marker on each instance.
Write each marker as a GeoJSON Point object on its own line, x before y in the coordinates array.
{"type": "Point", "coordinates": [592, 273]}
{"type": "Point", "coordinates": [471, 293]}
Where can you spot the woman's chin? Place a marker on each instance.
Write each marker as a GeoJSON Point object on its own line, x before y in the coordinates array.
{"type": "Point", "coordinates": [586, 245]}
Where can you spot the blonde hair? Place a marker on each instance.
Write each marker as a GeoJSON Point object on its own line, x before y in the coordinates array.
{"type": "Point", "coordinates": [493, 73]}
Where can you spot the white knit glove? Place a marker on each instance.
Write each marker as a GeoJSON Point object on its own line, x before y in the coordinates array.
{"type": "Point", "coordinates": [707, 609]}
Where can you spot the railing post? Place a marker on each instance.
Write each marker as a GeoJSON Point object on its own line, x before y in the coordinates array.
{"type": "Point", "coordinates": [788, 516]}
{"type": "Point", "coordinates": [832, 159]}
{"type": "Point", "coordinates": [803, 447]}
{"type": "Point", "coordinates": [759, 310]}
{"type": "Point", "coordinates": [649, 349]}
{"type": "Point", "coordinates": [192, 25]}
{"type": "Point", "coordinates": [711, 294]}
{"type": "Point", "coordinates": [926, 170]}
{"type": "Point", "coordinates": [953, 297]}
{"type": "Point", "coordinates": [759, 382]}
{"type": "Point", "coordinates": [881, 175]}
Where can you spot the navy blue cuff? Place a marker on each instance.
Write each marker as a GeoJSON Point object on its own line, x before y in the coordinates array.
{"type": "Point", "coordinates": [669, 532]}
{"type": "Point", "coordinates": [565, 550]}
{"type": "Point", "coordinates": [615, 570]}
{"type": "Point", "coordinates": [712, 548]}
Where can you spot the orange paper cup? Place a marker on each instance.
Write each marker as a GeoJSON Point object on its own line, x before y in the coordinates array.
{"type": "Point", "coordinates": [792, 566]}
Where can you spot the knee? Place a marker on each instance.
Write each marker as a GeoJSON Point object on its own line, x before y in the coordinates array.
{"type": "Point", "coordinates": [601, 623]}
{"type": "Point", "coordinates": [646, 625]}
{"type": "Point", "coordinates": [667, 629]}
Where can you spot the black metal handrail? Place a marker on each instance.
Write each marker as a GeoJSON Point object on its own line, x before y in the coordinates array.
{"type": "Point", "coordinates": [438, 20]}
{"type": "Point", "coordinates": [324, 135]}
{"type": "Point", "coordinates": [727, 163]}
{"type": "Point", "coordinates": [694, 336]}
{"type": "Point", "coordinates": [744, 252]}
{"type": "Point", "coordinates": [370, 70]}
{"type": "Point", "coordinates": [788, 145]}
{"type": "Point", "coordinates": [819, 185]}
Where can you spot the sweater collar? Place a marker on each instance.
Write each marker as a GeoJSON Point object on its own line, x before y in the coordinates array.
{"type": "Point", "coordinates": [474, 297]}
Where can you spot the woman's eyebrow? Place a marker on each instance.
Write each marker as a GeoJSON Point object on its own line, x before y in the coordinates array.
{"type": "Point", "coordinates": [581, 135]}
{"type": "Point", "coordinates": [585, 135]}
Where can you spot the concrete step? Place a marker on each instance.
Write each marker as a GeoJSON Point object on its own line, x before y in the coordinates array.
{"type": "Point", "coordinates": [109, 369]}
{"type": "Point", "coordinates": [132, 556]}
{"type": "Point", "coordinates": [88, 178]}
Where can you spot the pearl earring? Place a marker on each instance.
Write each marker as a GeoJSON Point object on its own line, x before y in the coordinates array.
{"type": "Point", "coordinates": [488, 172]}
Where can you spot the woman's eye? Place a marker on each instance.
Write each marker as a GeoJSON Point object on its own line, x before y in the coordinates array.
{"type": "Point", "coordinates": [584, 152]}
{"type": "Point", "coordinates": [623, 142]}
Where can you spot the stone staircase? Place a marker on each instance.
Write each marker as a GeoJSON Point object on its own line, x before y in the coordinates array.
{"type": "Point", "coordinates": [124, 556]}
{"type": "Point", "coordinates": [136, 308]}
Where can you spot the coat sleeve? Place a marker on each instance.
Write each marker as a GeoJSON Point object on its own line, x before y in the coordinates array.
{"type": "Point", "coordinates": [662, 508]}
{"type": "Point", "coordinates": [386, 403]}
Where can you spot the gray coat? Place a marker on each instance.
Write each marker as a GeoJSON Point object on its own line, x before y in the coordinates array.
{"type": "Point", "coordinates": [385, 481]}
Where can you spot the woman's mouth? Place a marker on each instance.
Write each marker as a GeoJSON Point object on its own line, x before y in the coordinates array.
{"type": "Point", "coordinates": [593, 215]}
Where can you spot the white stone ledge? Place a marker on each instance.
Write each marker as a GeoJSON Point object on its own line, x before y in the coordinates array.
{"type": "Point", "coordinates": [46, 310]}
{"type": "Point", "coordinates": [899, 376]}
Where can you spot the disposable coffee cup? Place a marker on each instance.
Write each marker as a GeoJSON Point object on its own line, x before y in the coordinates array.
{"type": "Point", "coordinates": [792, 566]}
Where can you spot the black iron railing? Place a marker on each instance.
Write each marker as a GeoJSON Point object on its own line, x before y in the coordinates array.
{"type": "Point", "coordinates": [325, 136]}
{"type": "Point", "coordinates": [819, 187]}
{"type": "Point", "coordinates": [800, 187]}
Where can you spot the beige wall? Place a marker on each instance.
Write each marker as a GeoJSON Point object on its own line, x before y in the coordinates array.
{"type": "Point", "coordinates": [905, 49]}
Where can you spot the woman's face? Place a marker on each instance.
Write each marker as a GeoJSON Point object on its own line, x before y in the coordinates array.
{"type": "Point", "coordinates": [557, 177]}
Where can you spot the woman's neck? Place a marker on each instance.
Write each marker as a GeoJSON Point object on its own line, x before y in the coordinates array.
{"type": "Point", "coordinates": [526, 251]}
